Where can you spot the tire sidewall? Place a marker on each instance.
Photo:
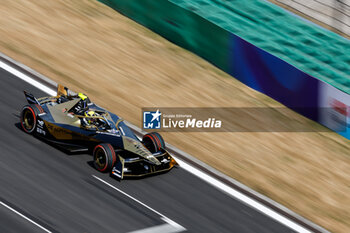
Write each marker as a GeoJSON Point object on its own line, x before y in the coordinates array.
{"type": "Point", "coordinates": [30, 108]}
{"type": "Point", "coordinates": [156, 140]}
{"type": "Point", "coordinates": [109, 155]}
{"type": "Point", "coordinates": [160, 138]}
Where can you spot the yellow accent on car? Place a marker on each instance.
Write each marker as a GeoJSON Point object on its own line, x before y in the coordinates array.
{"type": "Point", "coordinates": [82, 96]}
{"type": "Point", "coordinates": [90, 114]}
{"type": "Point", "coordinates": [61, 90]}
{"type": "Point", "coordinates": [118, 121]}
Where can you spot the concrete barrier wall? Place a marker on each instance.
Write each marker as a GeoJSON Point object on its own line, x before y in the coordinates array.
{"type": "Point", "coordinates": [334, 13]}
{"type": "Point", "coordinates": [248, 63]}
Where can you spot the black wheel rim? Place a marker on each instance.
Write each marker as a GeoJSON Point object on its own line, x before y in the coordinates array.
{"type": "Point", "coordinates": [100, 159]}
{"type": "Point", "coordinates": [28, 120]}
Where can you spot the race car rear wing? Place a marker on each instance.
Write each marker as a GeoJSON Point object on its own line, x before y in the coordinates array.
{"type": "Point", "coordinates": [61, 90]}
{"type": "Point", "coordinates": [30, 98]}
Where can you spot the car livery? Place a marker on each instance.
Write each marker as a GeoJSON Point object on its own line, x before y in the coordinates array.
{"type": "Point", "coordinates": [115, 148]}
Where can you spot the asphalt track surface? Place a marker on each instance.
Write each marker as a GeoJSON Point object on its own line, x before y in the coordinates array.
{"type": "Point", "coordinates": [58, 191]}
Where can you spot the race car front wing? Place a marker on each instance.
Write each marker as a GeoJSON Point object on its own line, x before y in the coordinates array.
{"type": "Point", "coordinates": [137, 167]}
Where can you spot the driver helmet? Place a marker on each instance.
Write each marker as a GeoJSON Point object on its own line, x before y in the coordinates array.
{"type": "Point", "coordinates": [89, 114]}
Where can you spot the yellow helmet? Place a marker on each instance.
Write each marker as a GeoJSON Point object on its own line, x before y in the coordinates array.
{"type": "Point", "coordinates": [90, 114]}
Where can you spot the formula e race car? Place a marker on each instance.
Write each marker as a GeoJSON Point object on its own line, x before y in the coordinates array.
{"type": "Point", "coordinates": [71, 121]}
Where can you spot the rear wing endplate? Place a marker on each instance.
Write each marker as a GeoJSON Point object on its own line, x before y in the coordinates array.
{"type": "Point", "coordinates": [30, 98]}
{"type": "Point", "coordinates": [62, 90]}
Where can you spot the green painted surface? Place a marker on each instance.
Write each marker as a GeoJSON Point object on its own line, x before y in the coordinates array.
{"type": "Point", "coordinates": [314, 50]}
{"type": "Point", "coordinates": [179, 26]}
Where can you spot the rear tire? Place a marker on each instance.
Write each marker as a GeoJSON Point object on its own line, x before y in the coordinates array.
{"type": "Point", "coordinates": [29, 117]}
{"type": "Point", "coordinates": [154, 142]}
{"type": "Point", "coordinates": [104, 157]}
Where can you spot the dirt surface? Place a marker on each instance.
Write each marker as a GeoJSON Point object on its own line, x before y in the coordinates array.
{"type": "Point", "coordinates": [124, 67]}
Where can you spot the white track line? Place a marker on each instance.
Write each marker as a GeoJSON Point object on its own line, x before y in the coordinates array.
{"type": "Point", "coordinates": [131, 197]}
{"type": "Point", "coordinates": [26, 218]}
{"type": "Point", "coordinates": [243, 198]}
{"type": "Point", "coordinates": [164, 228]}
{"type": "Point", "coordinates": [27, 79]}
{"type": "Point", "coordinates": [169, 227]}
{"type": "Point", "coordinates": [216, 183]}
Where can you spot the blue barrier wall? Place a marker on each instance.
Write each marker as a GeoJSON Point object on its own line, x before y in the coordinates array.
{"type": "Point", "coordinates": [274, 77]}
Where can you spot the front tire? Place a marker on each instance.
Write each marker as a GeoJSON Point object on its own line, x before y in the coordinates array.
{"type": "Point", "coordinates": [154, 142]}
{"type": "Point", "coordinates": [104, 157]}
{"type": "Point", "coordinates": [29, 117]}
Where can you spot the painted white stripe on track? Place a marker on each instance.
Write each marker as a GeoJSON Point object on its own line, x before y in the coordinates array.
{"type": "Point", "coordinates": [27, 79]}
{"type": "Point", "coordinates": [243, 198]}
{"type": "Point", "coordinates": [216, 183]}
{"type": "Point", "coordinates": [164, 228]}
{"type": "Point", "coordinates": [129, 196]}
{"type": "Point", "coordinates": [26, 218]}
{"type": "Point", "coordinates": [169, 227]}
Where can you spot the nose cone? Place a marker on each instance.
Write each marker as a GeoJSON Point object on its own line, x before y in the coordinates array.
{"type": "Point", "coordinates": [137, 147]}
